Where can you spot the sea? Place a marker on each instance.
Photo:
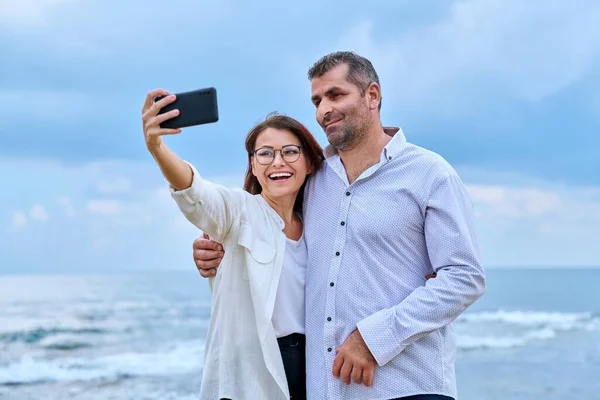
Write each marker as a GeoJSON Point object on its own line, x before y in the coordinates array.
{"type": "Point", "coordinates": [535, 334]}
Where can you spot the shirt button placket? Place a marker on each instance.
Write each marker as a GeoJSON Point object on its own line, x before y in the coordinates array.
{"type": "Point", "coordinates": [340, 240]}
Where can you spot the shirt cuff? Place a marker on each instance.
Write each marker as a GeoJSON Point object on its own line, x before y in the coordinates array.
{"type": "Point", "coordinates": [191, 195]}
{"type": "Point", "coordinates": [377, 331]}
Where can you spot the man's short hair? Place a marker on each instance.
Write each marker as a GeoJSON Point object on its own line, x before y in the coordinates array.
{"type": "Point", "coordinates": [360, 70]}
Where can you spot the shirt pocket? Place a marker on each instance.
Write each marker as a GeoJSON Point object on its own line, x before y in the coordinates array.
{"type": "Point", "coordinates": [257, 250]}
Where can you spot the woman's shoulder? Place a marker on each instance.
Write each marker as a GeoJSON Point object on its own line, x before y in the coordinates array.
{"type": "Point", "coordinates": [259, 215]}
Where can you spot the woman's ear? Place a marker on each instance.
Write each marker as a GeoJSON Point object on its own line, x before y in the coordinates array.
{"type": "Point", "coordinates": [309, 169]}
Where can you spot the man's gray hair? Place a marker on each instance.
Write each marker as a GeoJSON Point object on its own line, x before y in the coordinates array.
{"type": "Point", "coordinates": [360, 70]}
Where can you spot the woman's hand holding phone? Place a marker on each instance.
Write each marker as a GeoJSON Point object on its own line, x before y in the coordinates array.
{"type": "Point", "coordinates": [176, 171]}
{"type": "Point", "coordinates": [151, 119]}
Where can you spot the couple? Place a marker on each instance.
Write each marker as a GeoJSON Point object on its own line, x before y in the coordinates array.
{"type": "Point", "coordinates": [348, 235]}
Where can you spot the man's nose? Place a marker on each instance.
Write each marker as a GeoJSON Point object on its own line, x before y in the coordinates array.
{"type": "Point", "coordinates": [324, 110]}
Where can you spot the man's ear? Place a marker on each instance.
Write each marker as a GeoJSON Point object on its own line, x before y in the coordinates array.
{"type": "Point", "coordinates": [374, 95]}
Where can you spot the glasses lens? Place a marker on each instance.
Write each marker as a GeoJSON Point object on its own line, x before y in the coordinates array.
{"type": "Point", "coordinates": [265, 156]}
{"type": "Point", "coordinates": [290, 153]}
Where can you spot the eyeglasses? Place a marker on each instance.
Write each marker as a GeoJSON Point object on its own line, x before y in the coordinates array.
{"type": "Point", "coordinates": [266, 155]}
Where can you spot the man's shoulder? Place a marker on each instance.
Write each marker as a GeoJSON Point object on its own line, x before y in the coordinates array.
{"type": "Point", "coordinates": [317, 173]}
{"type": "Point", "coordinates": [428, 161]}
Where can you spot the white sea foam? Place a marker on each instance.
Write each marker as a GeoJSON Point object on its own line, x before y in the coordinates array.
{"type": "Point", "coordinates": [508, 329]}
{"type": "Point", "coordinates": [181, 358]}
{"type": "Point", "coordinates": [475, 331]}
{"type": "Point", "coordinates": [528, 318]}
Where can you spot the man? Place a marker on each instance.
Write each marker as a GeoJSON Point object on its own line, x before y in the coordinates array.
{"type": "Point", "coordinates": [378, 217]}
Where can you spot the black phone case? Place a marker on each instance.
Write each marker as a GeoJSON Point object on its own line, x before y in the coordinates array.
{"type": "Point", "coordinates": [195, 107]}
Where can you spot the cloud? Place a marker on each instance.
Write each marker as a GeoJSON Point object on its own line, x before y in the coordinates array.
{"type": "Point", "coordinates": [38, 213]}
{"type": "Point", "coordinates": [48, 105]}
{"type": "Point", "coordinates": [28, 12]}
{"type": "Point", "coordinates": [67, 206]}
{"type": "Point", "coordinates": [515, 202]}
{"type": "Point", "coordinates": [102, 29]}
{"type": "Point", "coordinates": [75, 71]}
{"type": "Point", "coordinates": [19, 219]}
{"type": "Point", "coordinates": [105, 207]}
{"type": "Point", "coordinates": [512, 47]}
{"type": "Point", "coordinates": [114, 186]}
{"type": "Point", "coordinates": [552, 204]}
{"type": "Point", "coordinates": [537, 225]}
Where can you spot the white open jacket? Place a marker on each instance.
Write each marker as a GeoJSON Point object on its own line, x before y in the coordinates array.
{"type": "Point", "coordinates": [242, 358]}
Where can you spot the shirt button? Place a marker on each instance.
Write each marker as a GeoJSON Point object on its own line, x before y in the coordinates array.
{"type": "Point", "coordinates": [390, 157]}
{"type": "Point", "coordinates": [337, 253]}
{"type": "Point", "coordinates": [347, 193]}
{"type": "Point", "coordinates": [328, 318]}
{"type": "Point", "coordinates": [329, 349]}
{"type": "Point", "coordinates": [331, 284]}
{"type": "Point", "coordinates": [343, 223]}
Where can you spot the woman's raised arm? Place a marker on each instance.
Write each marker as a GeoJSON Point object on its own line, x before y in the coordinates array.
{"type": "Point", "coordinates": [210, 207]}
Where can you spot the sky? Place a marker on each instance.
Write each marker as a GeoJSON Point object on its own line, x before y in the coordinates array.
{"type": "Point", "coordinates": [507, 91]}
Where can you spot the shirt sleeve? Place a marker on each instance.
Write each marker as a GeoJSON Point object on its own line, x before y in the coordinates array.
{"type": "Point", "coordinates": [209, 206]}
{"type": "Point", "coordinates": [454, 255]}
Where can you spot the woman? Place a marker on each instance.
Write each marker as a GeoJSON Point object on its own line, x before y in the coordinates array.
{"type": "Point", "coordinates": [255, 341]}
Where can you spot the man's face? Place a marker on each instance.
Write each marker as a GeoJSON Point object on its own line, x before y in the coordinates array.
{"type": "Point", "coordinates": [341, 110]}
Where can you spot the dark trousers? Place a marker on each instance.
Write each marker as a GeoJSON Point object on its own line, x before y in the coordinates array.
{"type": "Point", "coordinates": [292, 349]}
{"type": "Point", "coordinates": [425, 397]}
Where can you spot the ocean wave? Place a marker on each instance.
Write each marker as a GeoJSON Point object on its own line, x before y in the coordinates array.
{"type": "Point", "coordinates": [64, 343]}
{"type": "Point", "coordinates": [178, 359]}
{"type": "Point", "coordinates": [528, 318]}
{"type": "Point", "coordinates": [468, 342]}
{"type": "Point", "coordinates": [39, 334]}
{"type": "Point", "coordinates": [509, 329]}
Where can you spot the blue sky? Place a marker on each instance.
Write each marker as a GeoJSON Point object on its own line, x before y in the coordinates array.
{"type": "Point", "coordinates": [507, 91]}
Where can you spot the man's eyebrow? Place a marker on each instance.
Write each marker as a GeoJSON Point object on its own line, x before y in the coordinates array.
{"type": "Point", "coordinates": [329, 92]}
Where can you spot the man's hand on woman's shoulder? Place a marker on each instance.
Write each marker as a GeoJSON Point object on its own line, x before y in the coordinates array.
{"type": "Point", "coordinates": [207, 255]}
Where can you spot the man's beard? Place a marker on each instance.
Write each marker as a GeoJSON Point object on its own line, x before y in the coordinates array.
{"type": "Point", "coordinates": [349, 135]}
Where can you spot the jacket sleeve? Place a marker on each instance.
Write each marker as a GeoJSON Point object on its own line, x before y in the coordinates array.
{"type": "Point", "coordinates": [210, 207]}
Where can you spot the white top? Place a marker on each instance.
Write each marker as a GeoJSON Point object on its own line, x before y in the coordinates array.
{"type": "Point", "coordinates": [242, 358]}
{"type": "Point", "coordinates": [288, 316]}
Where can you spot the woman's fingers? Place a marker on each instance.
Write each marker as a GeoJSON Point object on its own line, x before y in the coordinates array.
{"type": "Point", "coordinates": [159, 119]}
{"type": "Point", "coordinates": [153, 110]}
{"type": "Point", "coordinates": [166, 131]}
{"type": "Point", "coordinates": [152, 121]}
{"type": "Point", "coordinates": [153, 128]}
{"type": "Point", "coordinates": [153, 94]}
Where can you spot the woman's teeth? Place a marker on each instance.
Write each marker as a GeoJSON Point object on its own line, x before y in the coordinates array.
{"type": "Point", "coordinates": [280, 175]}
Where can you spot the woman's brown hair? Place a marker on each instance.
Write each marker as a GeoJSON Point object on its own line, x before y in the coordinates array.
{"type": "Point", "coordinates": [310, 148]}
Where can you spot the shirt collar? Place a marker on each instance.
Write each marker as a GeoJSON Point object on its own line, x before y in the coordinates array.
{"type": "Point", "coordinates": [390, 150]}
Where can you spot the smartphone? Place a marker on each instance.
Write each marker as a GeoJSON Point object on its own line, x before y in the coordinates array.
{"type": "Point", "coordinates": [195, 107]}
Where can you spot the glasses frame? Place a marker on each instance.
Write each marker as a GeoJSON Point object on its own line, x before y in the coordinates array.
{"type": "Point", "coordinates": [300, 149]}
